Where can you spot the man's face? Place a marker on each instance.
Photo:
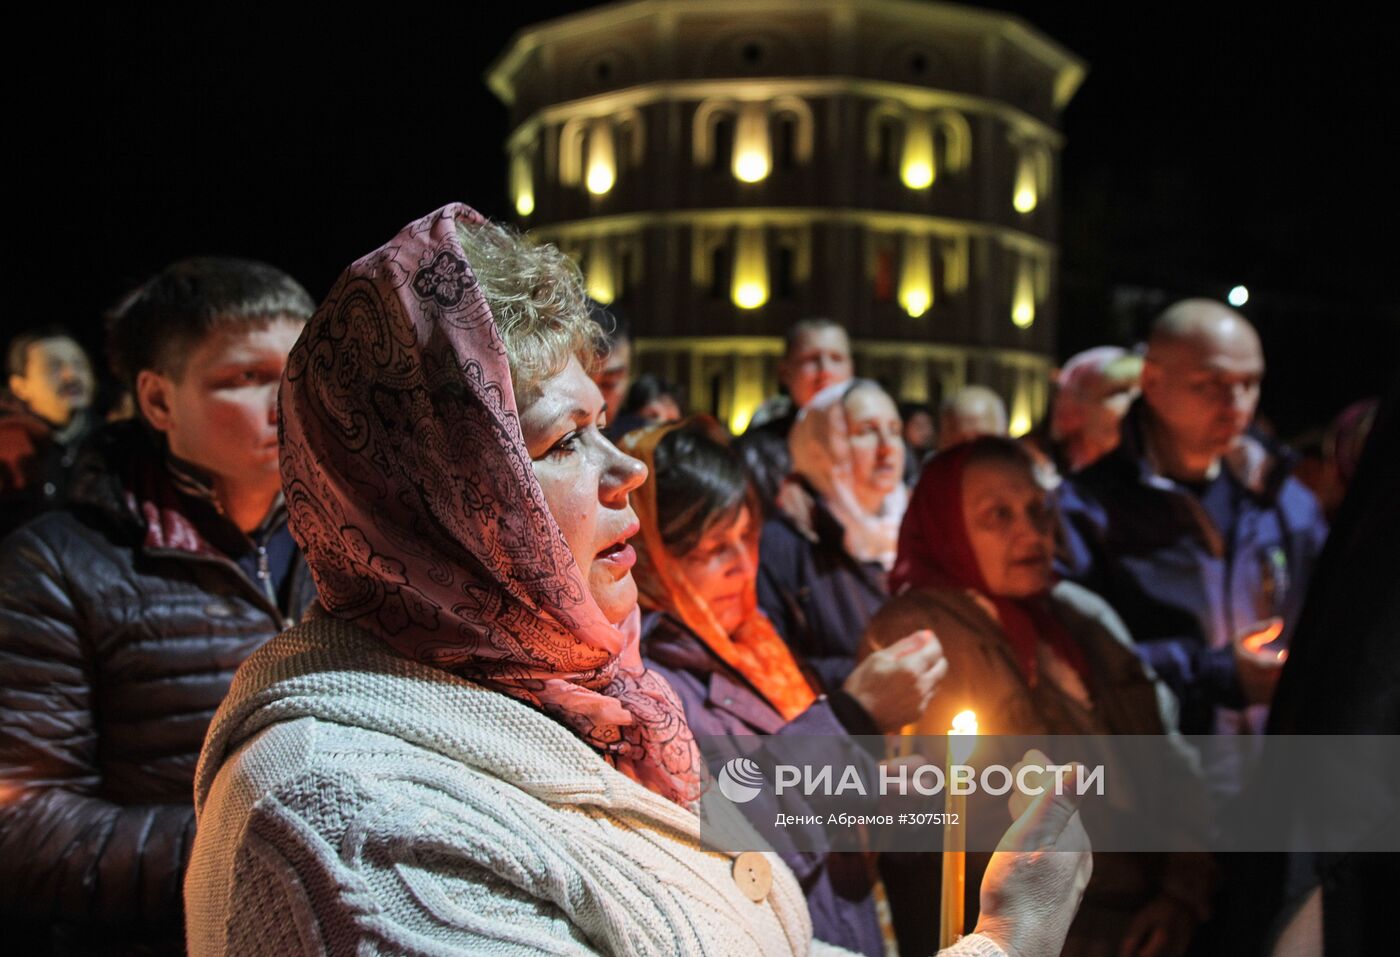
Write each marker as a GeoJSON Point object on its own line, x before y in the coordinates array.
{"type": "Point", "coordinates": [1203, 389]}
{"type": "Point", "coordinates": [220, 414]}
{"type": "Point", "coordinates": [57, 381]}
{"type": "Point", "coordinates": [919, 432]}
{"type": "Point", "coordinates": [614, 375]}
{"type": "Point", "coordinates": [818, 358]}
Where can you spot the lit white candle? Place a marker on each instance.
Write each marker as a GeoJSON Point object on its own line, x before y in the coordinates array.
{"type": "Point", "coordinates": [951, 916]}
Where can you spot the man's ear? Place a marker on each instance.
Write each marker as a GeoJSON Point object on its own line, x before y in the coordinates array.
{"type": "Point", "coordinates": [19, 387]}
{"type": "Point", "coordinates": [1151, 379]}
{"type": "Point", "coordinates": [154, 398]}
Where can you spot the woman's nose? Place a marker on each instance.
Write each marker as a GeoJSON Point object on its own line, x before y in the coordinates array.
{"type": "Point", "coordinates": [744, 562]}
{"type": "Point", "coordinates": [622, 475]}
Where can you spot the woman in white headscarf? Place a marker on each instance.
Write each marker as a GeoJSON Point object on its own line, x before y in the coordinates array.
{"type": "Point", "coordinates": [825, 556]}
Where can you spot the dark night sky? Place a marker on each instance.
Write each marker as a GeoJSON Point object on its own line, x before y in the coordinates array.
{"type": "Point", "coordinates": [1209, 145]}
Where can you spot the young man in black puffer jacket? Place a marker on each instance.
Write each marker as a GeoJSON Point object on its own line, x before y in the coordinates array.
{"type": "Point", "coordinates": [124, 616]}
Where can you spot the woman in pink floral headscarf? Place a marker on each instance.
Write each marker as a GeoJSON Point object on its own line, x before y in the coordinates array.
{"type": "Point", "coordinates": [459, 750]}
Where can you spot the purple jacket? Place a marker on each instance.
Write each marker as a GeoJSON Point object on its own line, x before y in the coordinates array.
{"type": "Point", "coordinates": [718, 701]}
{"type": "Point", "coordinates": [817, 596]}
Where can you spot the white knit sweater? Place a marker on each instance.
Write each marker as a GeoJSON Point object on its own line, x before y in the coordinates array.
{"type": "Point", "coordinates": [352, 801]}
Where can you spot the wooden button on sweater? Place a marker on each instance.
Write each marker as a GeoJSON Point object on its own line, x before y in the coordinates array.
{"type": "Point", "coordinates": [754, 875]}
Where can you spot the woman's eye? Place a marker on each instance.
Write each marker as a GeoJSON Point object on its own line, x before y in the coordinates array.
{"type": "Point", "coordinates": [565, 446]}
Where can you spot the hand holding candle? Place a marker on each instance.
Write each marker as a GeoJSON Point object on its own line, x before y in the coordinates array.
{"type": "Point", "coordinates": [1259, 658]}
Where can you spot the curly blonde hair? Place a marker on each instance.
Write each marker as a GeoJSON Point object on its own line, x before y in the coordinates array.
{"type": "Point", "coordinates": [537, 297]}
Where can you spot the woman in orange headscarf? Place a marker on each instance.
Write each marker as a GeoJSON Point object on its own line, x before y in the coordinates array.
{"type": "Point", "coordinates": [697, 557]}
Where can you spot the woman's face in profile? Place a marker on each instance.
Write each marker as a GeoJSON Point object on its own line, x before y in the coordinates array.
{"type": "Point", "coordinates": [723, 568]}
{"type": "Point", "coordinates": [586, 481]}
{"type": "Point", "coordinates": [1009, 525]}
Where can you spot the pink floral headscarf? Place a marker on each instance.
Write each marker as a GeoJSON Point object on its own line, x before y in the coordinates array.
{"type": "Point", "coordinates": [411, 492]}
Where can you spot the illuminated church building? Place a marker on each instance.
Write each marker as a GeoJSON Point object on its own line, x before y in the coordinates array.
{"type": "Point", "coordinates": [723, 168]}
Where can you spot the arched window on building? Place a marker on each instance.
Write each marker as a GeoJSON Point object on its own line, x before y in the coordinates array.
{"type": "Point", "coordinates": [952, 140]}
{"type": "Point", "coordinates": [884, 137]}
{"type": "Point", "coordinates": [793, 130]}
{"type": "Point", "coordinates": [785, 142]}
{"type": "Point", "coordinates": [712, 134]}
{"type": "Point", "coordinates": [573, 136]}
{"type": "Point", "coordinates": [631, 137]}
{"type": "Point", "coordinates": [749, 138]}
{"type": "Point", "coordinates": [784, 271]}
{"type": "Point", "coordinates": [882, 264]}
{"type": "Point", "coordinates": [723, 134]}
{"type": "Point", "coordinates": [721, 271]}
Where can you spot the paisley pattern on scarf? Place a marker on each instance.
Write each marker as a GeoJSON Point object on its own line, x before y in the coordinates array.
{"type": "Point", "coordinates": [411, 492]}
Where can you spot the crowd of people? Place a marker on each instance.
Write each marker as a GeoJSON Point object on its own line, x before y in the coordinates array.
{"type": "Point", "coordinates": [387, 626]}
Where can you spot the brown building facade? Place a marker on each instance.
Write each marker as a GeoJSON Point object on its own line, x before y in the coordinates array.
{"type": "Point", "coordinates": [723, 168]}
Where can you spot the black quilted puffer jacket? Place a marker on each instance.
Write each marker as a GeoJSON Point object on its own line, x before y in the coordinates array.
{"type": "Point", "coordinates": [120, 628]}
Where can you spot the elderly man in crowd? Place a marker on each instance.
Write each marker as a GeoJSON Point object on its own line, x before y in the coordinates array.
{"type": "Point", "coordinates": [43, 418]}
{"type": "Point", "coordinates": [1193, 528]}
{"type": "Point", "coordinates": [972, 411]}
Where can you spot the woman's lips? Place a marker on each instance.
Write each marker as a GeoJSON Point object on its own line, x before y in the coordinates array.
{"type": "Point", "coordinates": [620, 555]}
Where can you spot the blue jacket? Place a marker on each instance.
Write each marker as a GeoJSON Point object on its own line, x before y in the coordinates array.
{"type": "Point", "coordinates": [1182, 586]}
{"type": "Point", "coordinates": [718, 701]}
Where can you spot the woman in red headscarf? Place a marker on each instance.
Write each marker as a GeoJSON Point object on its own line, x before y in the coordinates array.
{"type": "Point", "coordinates": [1032, 656]}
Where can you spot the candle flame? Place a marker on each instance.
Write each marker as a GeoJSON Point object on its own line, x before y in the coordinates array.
{"type": "Point", "coordinates": [1264, 636]}
{"type": "Point", "coordinates": [964, 722]}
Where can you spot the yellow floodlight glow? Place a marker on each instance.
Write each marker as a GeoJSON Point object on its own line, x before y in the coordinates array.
{"type": "Point", "coordinates": [753, 151]}
{"type": "Point", "coordinates": [748, 395]}
{"type": "Point", "coordinates": [1025, 197]}
{"type": "Point", "coordinates": [523, 186]}
{"type": "Point", "coordinates": [915, 277]}
{"type": "Point", "coordinates": [1023, 302]}
{"type": "Point", "coordinates": [750, 167]}
{"type": "Point", "coordinates": [600, 282]}
{"type": "Point", "coordinates": [915, 302]}
{"type": "Point", "coordinates": [1020, 412]}
{"type": "Point", "coordinates": [749, 295]}
{"type": "Point", "coordinates": [750, 287]}
{"type": "Point", "coordinates": [602, 162]}
{"type": "Point", "coordinates": [916, 162]}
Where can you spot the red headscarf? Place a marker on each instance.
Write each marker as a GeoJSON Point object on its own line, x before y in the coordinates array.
{"type": "Point", "coordinates": [411, 492]}
{"type": "Point", "coordinates": [936, 552]}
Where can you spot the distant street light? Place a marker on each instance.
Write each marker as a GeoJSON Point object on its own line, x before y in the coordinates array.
{"type": "Point", "coordinates": [1238, 296]}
